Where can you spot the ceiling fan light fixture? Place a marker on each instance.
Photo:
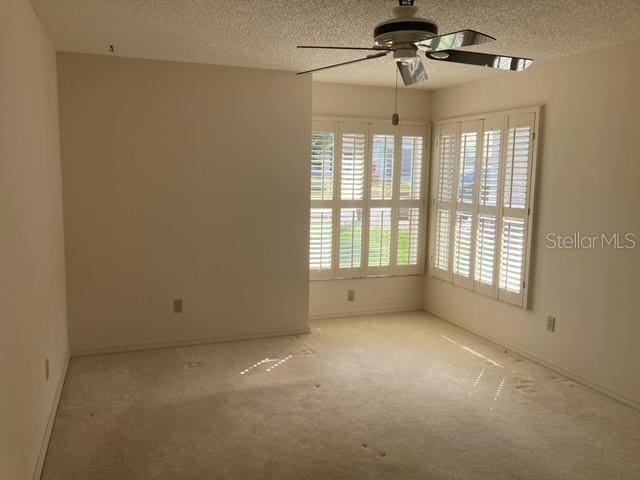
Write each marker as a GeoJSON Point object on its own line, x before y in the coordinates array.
{"type": "Point", "coordinates": [405, 34]}
{"type": "Point", "coordinates": [404, 54]}
{"type": "Point", "coordinates": [439, 55]}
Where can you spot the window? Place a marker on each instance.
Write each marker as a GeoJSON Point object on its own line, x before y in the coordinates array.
{"type": "Point", "coordinates": [482, 196]}
{"type": "Point", "coordinates": [367, 199]}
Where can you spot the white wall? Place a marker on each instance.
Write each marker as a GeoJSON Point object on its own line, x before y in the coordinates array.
{"type": "Point", "coordinates": [329, 297]}
{"type": "Point", "coordinates": [32, 283]}
{"type": "Point", "coordinates": [183, 181]}
{"type": "Point", "coordinates": [589, 172]}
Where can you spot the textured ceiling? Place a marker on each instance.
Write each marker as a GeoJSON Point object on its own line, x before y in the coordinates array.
{"type": "Point", "coordinates": [264, 33]}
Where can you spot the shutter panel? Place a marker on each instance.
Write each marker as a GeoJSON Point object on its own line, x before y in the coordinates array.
{"type": "Point", "coordinates": [515, 208]}
{"type": "Point", "coordinates": [443, 192]}
{"type": "Point", "coordinates": [408, 236]}
{"type": "Point", "coordinates": [379, 237]}
{"type": "Point", "coordinates": [350, 238]}
{"type": "Point", "coordinates": [408, 202]}
{"type": "Point", "coordinates": [352, 166]}
{"type": "Point", "coordinates": [382, 167]}
{"type": "Point", "coordinates": [320, 238]}
{"type": "Point", "coordinates": [488, 210]}
{"type": "Point", "coordinates": [322, 165]}
{"type": "Point", "coordinates": [466, 202]}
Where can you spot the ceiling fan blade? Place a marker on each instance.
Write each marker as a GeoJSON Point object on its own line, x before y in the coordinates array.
{"type": "Point", "coordinates": [412, 71]}
{"type": "Point", "coordinates": [368, 57]}
{"type": "Point", "coordinates": [501, 62]}
{"type": "Point", "coordinates": [344, 48]}
{"type": "Point", "coordinates": [463, 38]}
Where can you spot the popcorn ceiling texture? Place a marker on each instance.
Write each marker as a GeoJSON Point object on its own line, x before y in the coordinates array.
{"type": "Point", "coordinates": [263, 34]}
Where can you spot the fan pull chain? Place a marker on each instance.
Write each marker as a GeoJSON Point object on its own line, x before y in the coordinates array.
{"type": "Point", "coordinates": [395, 118]}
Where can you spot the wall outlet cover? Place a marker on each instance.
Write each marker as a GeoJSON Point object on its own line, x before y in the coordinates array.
{"type": "Point", "coordinates": [351, 295]}
{"type": "Point", "coordinates": [551, 323]}
{"type": "Point", "coordinates": [177, 305]}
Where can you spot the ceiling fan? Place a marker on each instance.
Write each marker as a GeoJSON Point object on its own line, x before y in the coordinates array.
{"type": "Point", "coordinates": [405, 35]}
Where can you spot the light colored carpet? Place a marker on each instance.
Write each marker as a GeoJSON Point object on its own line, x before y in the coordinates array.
{"type": "Point", "coordinates": [402, 396]}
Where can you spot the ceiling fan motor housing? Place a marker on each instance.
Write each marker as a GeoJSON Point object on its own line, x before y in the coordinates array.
{"type": "Point", "coordinates": [405, 28]}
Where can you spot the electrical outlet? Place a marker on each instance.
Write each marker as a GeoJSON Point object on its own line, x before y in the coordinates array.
{"type": "Point", "coordinates": [351, 295]}
{"type": "Point", "coordinates": [46, 369]}
{"type": "Point", "coordinates": [551, 323]}
{"type": "Point", "coordinates": [177, 305]}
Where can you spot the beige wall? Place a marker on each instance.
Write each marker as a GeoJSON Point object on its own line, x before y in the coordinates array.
{"type": "Point", "coordinates": [329, 297]}
{"type": "Point", "coordinates": [589, 172]}
{"type": "Point", "coordinates": [32, 284]}
{"type": "Point", "coordinates": [183, 181]}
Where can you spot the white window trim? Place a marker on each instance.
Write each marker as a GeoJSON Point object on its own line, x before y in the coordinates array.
{"type": "Point", "coordinates": [370, 127]}
{"type": "Point", "coordinates": [454, 125]}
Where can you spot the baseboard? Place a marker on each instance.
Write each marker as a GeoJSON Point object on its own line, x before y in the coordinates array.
{"type": "Point", "coordinates": [567, 372]}
{"type": "Point", "coordinates": [186, 343]}
{"type": "Point", "coordinates": [42, 454]}
{"type": "Point", "coordinates": [357, 313]}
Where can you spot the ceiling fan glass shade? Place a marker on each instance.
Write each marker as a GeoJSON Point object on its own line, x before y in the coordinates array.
{"type": "Point", "coordinates": [463, 38]}
{"type": "Point", "coordinates": [411, 70]}
{"type": "Point", "coordinates": [501, 62]}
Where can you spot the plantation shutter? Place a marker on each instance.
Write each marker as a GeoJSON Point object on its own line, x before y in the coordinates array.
{"type": "Point", "coordinates": [382, 172]}
{"type": "Point", "coordinates": [518, 167]}
{"type": "Point", "coordinates": [325, 146]}
{"type": "Point", "coordinates": [483, 184]}
{"type": "Point", "coordinates": [489, 174]}
{"type": "Point", "coordinates": [470, 144]}
{"type": "Point", "coordinates": [367, 199]}
{"type": "Point", "coordinates": [409, 202]}
{"type": "Point", "coordinates": [443, 201]}
{"type": "Point", "coordinates": [349, 223]}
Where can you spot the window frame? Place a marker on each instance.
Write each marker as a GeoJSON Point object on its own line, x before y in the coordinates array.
{"type": "Point", "coordinates": [502, 120]}
{"type": "Point", "coordinates": [370, 127]}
